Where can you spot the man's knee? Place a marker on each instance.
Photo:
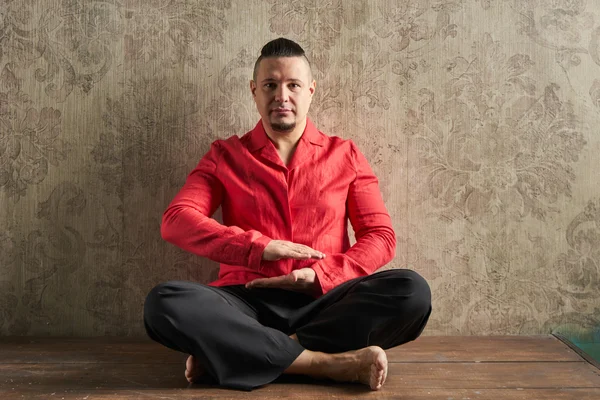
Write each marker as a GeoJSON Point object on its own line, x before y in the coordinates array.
{"type": "Point", "coordinates": [154, 305]}
{"type": "Point", "coordinates": [180, 300]}
{"type": "Point", "coordinates": [409, 296]}
{"type": "Point", "coordinates": [418, 287]}
{"type": "Point", "coordinates": [405, 285]}
{"type": "Point", "coordinates": [174, 299]}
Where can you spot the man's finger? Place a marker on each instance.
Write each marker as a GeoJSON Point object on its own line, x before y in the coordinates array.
{"type": "Point", "coordinates": [266, 282]}
{"type": "Point", "coordinates": [280, 249]}
{"type": "Point", "coordinates": [259, 282]}
{"type": "Point", "coordinates": [307, 249]}
{"type": "Point", "coordinates": [294, 276]}
{"type": "Point", "coordinates": [307, 253]}
{"type": "Point", "coordinates": [298, 255]}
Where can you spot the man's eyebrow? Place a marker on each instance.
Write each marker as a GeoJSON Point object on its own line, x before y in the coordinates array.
{"type": "Point", "coordinates": [275, 80]}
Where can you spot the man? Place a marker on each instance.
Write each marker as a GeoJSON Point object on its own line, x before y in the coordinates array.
{"type": "Point", "coordinates": [292, 296]}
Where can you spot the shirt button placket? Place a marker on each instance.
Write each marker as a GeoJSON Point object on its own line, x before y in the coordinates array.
{"type": "Point", "coordinates": [290, 231]}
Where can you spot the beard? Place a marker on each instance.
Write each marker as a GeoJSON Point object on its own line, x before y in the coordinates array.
{"type": "Point", "coordinates": [283, 126]}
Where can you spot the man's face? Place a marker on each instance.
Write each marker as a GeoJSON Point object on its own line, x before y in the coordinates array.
{"type": "Point", "coordinates": [283, 91]}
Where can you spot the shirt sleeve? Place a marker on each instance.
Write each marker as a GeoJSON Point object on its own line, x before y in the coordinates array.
{"type": "Point", "coordinates": [187, 221]}
{"type": "Point", "coordinates": [375, 237]}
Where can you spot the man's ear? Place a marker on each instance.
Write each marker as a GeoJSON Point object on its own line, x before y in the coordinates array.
{"type": "Point", "coordinates": [312, 87]}
{"type": "Point", "coordinates": [253, 88]}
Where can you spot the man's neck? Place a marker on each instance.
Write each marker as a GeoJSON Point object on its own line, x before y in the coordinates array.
{"type": "Point", "coordinates": [285, 141]}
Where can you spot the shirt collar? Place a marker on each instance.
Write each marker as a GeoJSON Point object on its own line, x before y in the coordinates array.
{"type": "Point", "coordinates": [259, 138]}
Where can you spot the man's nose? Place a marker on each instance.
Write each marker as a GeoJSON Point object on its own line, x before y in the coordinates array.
{"type": "Point", "coordinates": [281, 94]}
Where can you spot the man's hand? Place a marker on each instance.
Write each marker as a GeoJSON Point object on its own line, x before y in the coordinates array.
{"type": "Point", "coordinates": [300, 280]}
{"type": "Point", "coordinates": [278, 249]}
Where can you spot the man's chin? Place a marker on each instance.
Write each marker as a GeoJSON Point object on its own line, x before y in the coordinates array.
{"type": "Point", "coordinates": [283, 126]}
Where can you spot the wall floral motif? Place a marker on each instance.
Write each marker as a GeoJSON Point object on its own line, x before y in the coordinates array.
{"type": "Point", "coordinates": [172, 33]}
{"type": "Point", "coordinates": [30, 138]}
{"type": "Point", "coordinates": [73, 230]}
{"type": "Point", "coordinates": [409, 22]}
{"type": "Point", "coordinates": [10, 255]}
{"type": "Point", "coordinates": [138, 127]}
{"type": "Point", "coordinates": [74, 41]}
{"type": "Point", "coordinates": [569, 28]}
{"type": "Point", "coordinates": [512, 294]}
{"type": "Point", "coordinates": [495, 142]}
{"type": "Point", "coordinates": [479, 118]}
{"type": "Point", "coordinates": [232, 110]}
{"type": "Point", "coordinates": [496, 290]}
{"type": "Point", "coordinates": [319, 24]}
{"type": "Point", "coordinates": [70, 42]}
{"type": "Point", "coordinates": [577, 271]}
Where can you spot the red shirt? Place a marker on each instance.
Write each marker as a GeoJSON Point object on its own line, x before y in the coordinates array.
{"type": "Point", "coordinates": [327, 182]}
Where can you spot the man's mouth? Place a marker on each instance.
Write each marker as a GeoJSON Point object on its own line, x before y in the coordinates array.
{"type": "Point", "coordinates": [281, 110]}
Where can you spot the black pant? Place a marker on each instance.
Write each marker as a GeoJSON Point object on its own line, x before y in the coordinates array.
{"type": "Point", "coordinates": [241, 336]}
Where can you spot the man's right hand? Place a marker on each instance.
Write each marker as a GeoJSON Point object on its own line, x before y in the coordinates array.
{"type": "Point", "coordinates": [278, 249]}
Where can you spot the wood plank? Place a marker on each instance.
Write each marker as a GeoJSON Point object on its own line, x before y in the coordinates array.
{"type": "Point", "coordinates": [483, 348]}
{"type": "Point", "coordinates": [402, 376]}
{"type": "Point", "coordinates": [111, 350]}
{"type": "Point", "coordinates": [305, 391]}
{"type": "Point", "coordinates": [494, 375]}
{"type": "Point", "coordinates": [425, 349]}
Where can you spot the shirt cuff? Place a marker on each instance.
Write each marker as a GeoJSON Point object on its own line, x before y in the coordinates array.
{"type": "Point", "coordinates": [256, 251]}
{"type": "Point", "coordinates": [325, 284]}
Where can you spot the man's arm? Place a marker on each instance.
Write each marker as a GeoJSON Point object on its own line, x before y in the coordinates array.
{"type": "Point", "coordinates": [375, 238]}
{"type": "Point", "coordinates": [187, 222]}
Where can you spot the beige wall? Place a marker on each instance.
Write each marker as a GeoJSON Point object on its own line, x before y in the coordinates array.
{"type": "Point", "coordinates": [481, 119]}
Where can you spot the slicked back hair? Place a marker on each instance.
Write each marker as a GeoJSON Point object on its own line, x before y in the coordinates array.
{"type": "Point", "coordinates": [280, 47]}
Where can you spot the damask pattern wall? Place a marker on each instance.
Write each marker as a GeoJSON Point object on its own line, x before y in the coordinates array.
{"type": "Point", "coordinates": [480, 117]}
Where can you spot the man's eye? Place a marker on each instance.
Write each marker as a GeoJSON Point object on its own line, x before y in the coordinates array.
{"type": "Point", "coordinates": [269, 85]}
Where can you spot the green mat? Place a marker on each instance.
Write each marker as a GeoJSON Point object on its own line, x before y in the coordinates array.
{"type": "Point", "coordinates": [591, 349]}
{"type": "Point", "coordinates": [586, 342]}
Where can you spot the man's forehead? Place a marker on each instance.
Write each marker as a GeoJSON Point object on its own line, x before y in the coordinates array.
{"type": "Point", "coordinates": [290, 68]}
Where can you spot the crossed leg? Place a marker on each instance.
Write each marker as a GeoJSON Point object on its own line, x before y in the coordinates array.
{"type": "Point", "coordinates": [341, 336]}
{"type": "Point", "coordinates": [368, 366]}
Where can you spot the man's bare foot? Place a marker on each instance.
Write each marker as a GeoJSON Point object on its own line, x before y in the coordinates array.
{"type": "Point", "coordinates": [368, 366]}
{"type": "Point", "coordinates": [193, 369]}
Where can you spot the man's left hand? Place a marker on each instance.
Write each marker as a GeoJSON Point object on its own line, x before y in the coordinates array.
{"type": "Point", "coordinates": [300, 280]}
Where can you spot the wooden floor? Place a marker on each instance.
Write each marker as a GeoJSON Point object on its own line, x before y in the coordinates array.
{"type": "Point", "coordinates": [449, 368]}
